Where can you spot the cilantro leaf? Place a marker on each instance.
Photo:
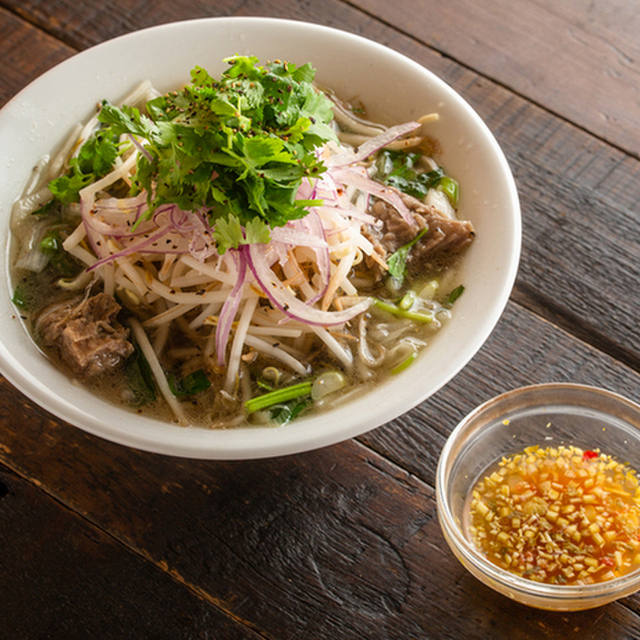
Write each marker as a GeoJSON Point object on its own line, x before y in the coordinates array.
{"type": "Point", "coordinates": [257, 231]}
{"type": "Point", "coordinates": [228, 233]}
{"type": "Point", "coordinates": [397, 261]}
{"type": "Point", "coordinates": [398, 170]}
{"type": "Point", "coordinates": [95, 159]}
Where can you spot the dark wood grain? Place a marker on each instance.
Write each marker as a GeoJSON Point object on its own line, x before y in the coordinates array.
{"type": "Point", "coordinates": [77, 582]}
{"type": "Point", "coordinates": [579, 59]}
{"type": "Point", "coordinates": [345, 540]}
{"type": "Point", "coordinates": [105, 541]}
{"type": "Point", "coordinates": [27, 53]}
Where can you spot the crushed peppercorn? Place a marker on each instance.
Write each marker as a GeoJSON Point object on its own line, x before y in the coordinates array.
{"type": "Point", "coordinates": [559, 515]}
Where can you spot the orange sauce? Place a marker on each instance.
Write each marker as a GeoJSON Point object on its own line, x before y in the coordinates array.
{"type": "Point", "coordinates": [558, 515]}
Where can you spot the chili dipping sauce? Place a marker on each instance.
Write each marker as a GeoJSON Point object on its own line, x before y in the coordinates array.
{"type": "Point", "coordinates": [559, 515]}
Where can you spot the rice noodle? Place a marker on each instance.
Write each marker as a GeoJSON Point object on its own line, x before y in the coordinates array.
{"type": "Point", "coordinates": [158, 373]}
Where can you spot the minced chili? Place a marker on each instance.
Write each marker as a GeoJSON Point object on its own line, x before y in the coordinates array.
{"type": "Point", "coordinates": [560, 515]}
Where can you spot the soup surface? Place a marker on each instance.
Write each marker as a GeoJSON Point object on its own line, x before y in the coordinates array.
{"type": "Point", "coordinates": [243, 249]}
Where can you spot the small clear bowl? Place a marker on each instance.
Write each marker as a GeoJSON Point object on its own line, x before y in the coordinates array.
{"type": "Point", "coordinates": [546, 415]}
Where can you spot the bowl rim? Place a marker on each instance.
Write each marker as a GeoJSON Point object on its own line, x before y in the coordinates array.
{"type": "Point", "coordinates": [251, 443]}
{"type": "Point", "coordinates": [618, 587]}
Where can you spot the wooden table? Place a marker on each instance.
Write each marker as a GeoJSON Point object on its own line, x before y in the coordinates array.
{"type": "Point", "coordinates": [101, 541]}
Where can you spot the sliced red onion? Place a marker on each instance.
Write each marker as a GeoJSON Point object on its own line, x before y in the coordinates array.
{"type": "Point", "coordinates": [352, 212]}
{"type": "Point", "coordinates": [372, 145]}
{"type": "Point", "coordinates": [144, 246]}
{"type": "Point", "coordinates": [359, 181]}
{"type": "Point", "coordinates": [314, 224]}
{"type": "Point", "coordinates": [230, 306]}
{"type": "Point", "coordinates": [297, 237]}
{"type": "Point", "coordinates": [114, 216]}
{"type": "Point", "coordinates": [284, 300]}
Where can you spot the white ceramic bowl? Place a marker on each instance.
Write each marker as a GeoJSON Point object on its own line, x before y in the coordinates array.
{"type": "Point", "coordinates": [393, 87]}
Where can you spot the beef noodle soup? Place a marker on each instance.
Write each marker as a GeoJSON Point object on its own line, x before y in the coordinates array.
{"type": "Point", "coordinates": [241, 250]}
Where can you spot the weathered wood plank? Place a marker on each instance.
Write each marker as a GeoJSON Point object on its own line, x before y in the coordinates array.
{"type": "Point", "coordinates": [579, 59]}
{"type": "Point", "coordinates": [344, 541]}
{"type": "Point", "coordinates": [337, 542]}
{"type": "Point", "coordinates": [62, 578]}
{"type": "Point", "coordinates": [27, 53]}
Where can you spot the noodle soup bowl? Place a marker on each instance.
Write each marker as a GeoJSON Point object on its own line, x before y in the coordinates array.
{"type": "Point", "coordinates": [394, 89]}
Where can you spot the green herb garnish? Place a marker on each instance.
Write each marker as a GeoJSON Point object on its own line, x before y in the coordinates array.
{"type": "Point", "coordinates": [391, 308]}
{"type": "Point", "coordinates": [279, 396]}
{"type": "Point", "coordinates": [401, 366]}
{"type": "Point", "coordinates": [238, 147]}
{"type": "Point", "coordinates": [192, 384]}
{"type": "Point", "coordinates": [20, 298]}
{"type": "Point", "coordinates": [451, 189]}
{"type": "Point", "coordinates": [283, 414]}
{"type": "Point", "coordinates": [64, 263]}
{"type": "Point", "coordinates": [398, 169]}
{"type": "Point", "coordinates": [397, 261]}
{"type": "Point", "coordinates": [455, 294]}
{"type": "Point", "coordinates": [95, 159]}
{"type": "Point", "coordinates": [140, 378]}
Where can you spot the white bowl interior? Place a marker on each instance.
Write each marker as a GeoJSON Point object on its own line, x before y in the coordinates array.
{"type": "Point", "coordinates": [392, 87]}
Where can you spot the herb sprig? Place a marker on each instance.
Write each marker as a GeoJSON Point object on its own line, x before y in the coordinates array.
{"type": "Point", "coordinates": [236, 148]}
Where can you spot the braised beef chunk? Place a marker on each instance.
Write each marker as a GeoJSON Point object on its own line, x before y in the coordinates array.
{"type": "Point", "coordinates": [88, 336]}
{"type": "Point", "coordinates": [444, 234]}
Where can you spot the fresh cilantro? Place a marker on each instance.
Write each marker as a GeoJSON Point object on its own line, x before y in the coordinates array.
{"type": "Point", "coordinates": [94, 160]}
{"type": "Point", "coordinates": [397, 261]}
{"type": "Point", "coordinates": [398, 169]}
{"type": "Point", "coordinates": [237, 147]}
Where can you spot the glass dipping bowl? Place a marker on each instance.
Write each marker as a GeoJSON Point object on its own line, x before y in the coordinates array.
{"type": "Point", "coordinates": [547, 415]}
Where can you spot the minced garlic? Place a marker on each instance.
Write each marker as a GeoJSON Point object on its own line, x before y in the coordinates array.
{"type": "Point", "coordinates": [558, 515]}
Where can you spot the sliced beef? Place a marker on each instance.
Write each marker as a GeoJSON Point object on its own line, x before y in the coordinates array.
{"type": "Point", "coordinates": [87, 334]}
{"type": "Point", "coordinates": [445, 235]}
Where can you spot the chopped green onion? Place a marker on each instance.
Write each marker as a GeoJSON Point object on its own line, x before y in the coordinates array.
{"type": "Point", "coordinates": [63, 262]}
{"type": "Point", "coordinates": [455, 294]}
{"type": "Point", "coordinates": [450, 188]}
{"type": "Point", "coordinates": [401, 313]}
{"type": "Point", "coordinates": [327, 383]}
{"type": "Point", "coordinates": [19, 298]}
{"type": "Point", "coordinates": [284, 413]}
{"type": "Point", "coordinates": [140, 378]}
{"type": "Point", "coordinates": [428, 292]}
{"type": "Point", "coordinates": [264, 385]}
{"type": "Point", "coordinates": [404, 364]}
{"type": "Point", "coordinates": [408, 300]}
{"type": "Point", "coordinates": [279, 396]}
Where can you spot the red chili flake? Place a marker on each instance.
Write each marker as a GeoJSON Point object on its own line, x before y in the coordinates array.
{"type": "Point", "coordinates": [589, 455]}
